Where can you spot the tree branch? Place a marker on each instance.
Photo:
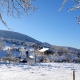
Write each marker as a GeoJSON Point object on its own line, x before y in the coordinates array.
{"type": "Point", "coordinates": [15, 8]}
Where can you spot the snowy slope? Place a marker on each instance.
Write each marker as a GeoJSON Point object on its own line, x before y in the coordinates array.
{"type": "Point", "coordinates": [22, 37]}
{"type": "Point", "coordinates": [16, 35]}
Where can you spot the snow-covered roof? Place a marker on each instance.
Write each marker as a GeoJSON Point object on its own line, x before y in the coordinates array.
{"type": "Point", "coordinates": [43, 49]}
{"type": "Point", "coordinates": [32, 57]}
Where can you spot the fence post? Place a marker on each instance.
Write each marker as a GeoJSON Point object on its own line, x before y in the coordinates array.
{"type": "Point", "coordinates": [73, 75]}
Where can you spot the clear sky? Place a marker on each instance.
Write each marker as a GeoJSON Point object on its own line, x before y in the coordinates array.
{"type": "Point", "coordinates": [49, 25]}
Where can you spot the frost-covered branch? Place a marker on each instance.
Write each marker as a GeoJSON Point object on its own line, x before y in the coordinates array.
{"type": "Point", "coordinates": [15, 8]}
{"type": "Point", "coordinates": [62, 5]}
{"type": "Point", "coordinates": [75, 7]}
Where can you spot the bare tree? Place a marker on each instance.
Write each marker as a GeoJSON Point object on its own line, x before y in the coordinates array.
{"type": "Point", "coordinates": [22, 52]}
{"type": "Point", "coordinates": [13, 46]}
{"type": "Point", "coordinates": [2, 43]}
{"type": "Point", "coordinates": [15, 8]}
{"type": "Point", "coordinates": [8, 52]}
{"type": "Point", "coordinates": [75, 7]}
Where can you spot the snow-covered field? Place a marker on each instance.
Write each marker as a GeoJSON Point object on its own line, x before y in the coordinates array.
{"type": "Point", "coordinates": [43, 71]}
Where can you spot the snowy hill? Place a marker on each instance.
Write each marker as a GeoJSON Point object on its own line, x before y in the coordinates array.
{"type": "Point", "coordinates": [18, 38]}
{"type": "Point", "coordinates": [16, 35]}
{"type": "Point", "coordinates": [11, 36]}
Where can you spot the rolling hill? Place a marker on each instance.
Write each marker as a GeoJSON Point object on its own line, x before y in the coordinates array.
{"type": "Point", "coordinates": [10, 35]}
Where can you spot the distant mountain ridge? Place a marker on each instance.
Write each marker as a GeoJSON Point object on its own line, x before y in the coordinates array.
{"type": "Point", "coordinates": [17, 36]}
{"type": "Point", "coordinates": [22, 37]}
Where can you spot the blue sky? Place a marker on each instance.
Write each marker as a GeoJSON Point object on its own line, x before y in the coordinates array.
{"type": "Point", "coordinates": [47, 24]}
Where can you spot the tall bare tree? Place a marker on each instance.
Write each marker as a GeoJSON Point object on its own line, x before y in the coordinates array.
{"type": "Point", "coordinates": [15, 8]}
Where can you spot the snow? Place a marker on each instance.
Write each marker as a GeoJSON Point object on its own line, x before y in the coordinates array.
{"type": "Point", "coordinates": [42, 71]}
{"type": "Point", "coordinates": [6, 48]}
{"type": "Point", "coordinates": [43, 49]}
{"type": "Point", "coordinates": [32, 57]}
{"type": "Point", "coordinates": [39, 71]}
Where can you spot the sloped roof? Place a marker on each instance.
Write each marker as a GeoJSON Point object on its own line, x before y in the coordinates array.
{"type": "Point", "coordinates": [43, 49]}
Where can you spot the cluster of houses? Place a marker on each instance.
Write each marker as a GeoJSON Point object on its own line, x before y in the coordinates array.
{"type": "Point", "coordinates": [42, 54]}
